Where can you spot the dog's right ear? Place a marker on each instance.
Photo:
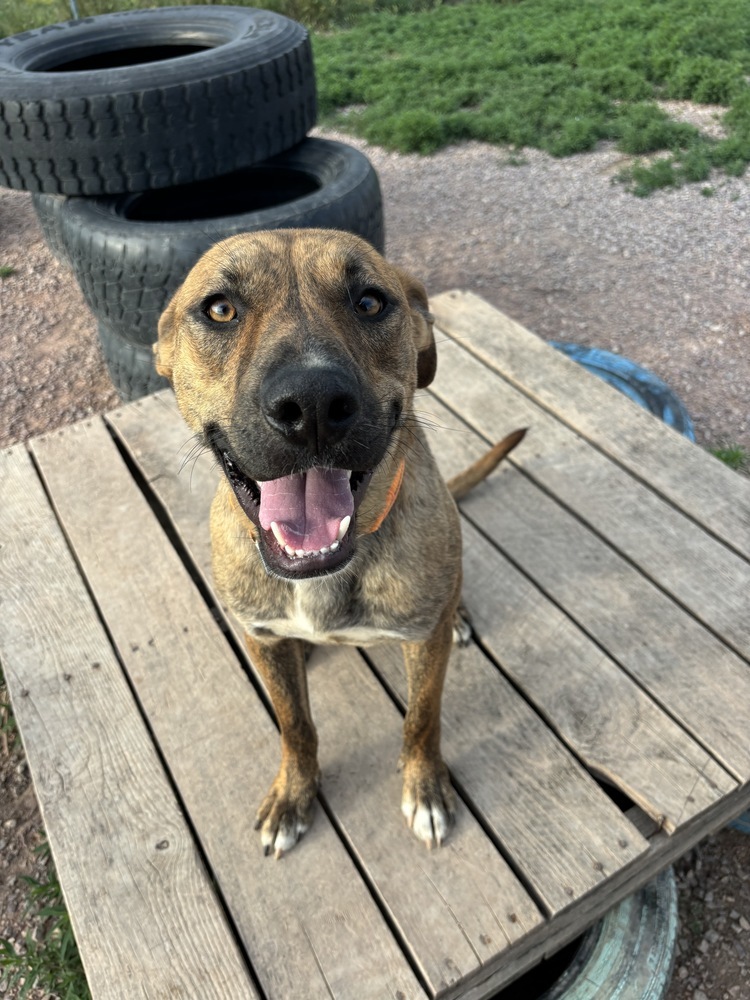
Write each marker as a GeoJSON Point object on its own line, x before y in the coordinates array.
{"type": "Point", "coordinates": [422, 320]}
{"type": "Point", "coordinates": [164, 346]}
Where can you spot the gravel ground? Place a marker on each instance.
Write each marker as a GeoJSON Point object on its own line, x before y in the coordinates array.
{"type": "Point", "coordinates": [562, 249]}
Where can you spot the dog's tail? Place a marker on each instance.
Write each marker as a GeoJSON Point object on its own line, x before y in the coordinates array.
{"type": "Point", "coordinates": [465, 481]}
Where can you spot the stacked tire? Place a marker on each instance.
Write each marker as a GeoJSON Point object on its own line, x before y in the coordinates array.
{"type": "Point", "coordinates": [148, 136]}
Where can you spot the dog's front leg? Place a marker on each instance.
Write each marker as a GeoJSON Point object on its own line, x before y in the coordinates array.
{"type": "Point", "coordinates": [286, 812]}
{"type": "Point", "coordinates": [428, 801]}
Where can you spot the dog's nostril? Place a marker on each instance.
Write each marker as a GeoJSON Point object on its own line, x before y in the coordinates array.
{"type": "Point", "coordinates": [288, 412]}
{"type": "Point", "coordinates": [341, 409]}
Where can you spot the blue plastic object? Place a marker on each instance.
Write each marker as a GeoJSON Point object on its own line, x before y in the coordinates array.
{"type": "Point", "coordinates": [641, 385]}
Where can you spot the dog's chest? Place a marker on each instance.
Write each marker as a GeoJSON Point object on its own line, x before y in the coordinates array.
{"type": "Point", "coordinates": [324, 615]}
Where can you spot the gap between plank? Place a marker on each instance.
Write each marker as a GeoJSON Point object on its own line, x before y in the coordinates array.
{"type": "Point", "coordinates": [598, 533]}
{"type": "Point", "coordinates": [466, 798]}
{"type": "Point", "coordinates": [232, 928]}
{"type": "Point", "coordinates": [610, 655]}
{"type": "Point", "coordinates": [465, 344]}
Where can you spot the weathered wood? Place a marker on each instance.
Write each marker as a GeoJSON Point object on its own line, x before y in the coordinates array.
{"type": "Point", "coordinates": [667, 546]}
{"type": "Point", "coordinates": [690, 672]}
{"type": "Point", "coordinates": [610, 722]}
{"type": "Point", "coordinates": [217, 738]}
{"type": "Point", "coordinates": [142, 907]}
{"type": "Point", "coordinates": [691, 478]}
{"type": "Point", "coordinates": [565, 611]}
{"type": "Point", "coordinates": [562, 831]}
{"type": "Point", "coordinates": [460, 907]}
{"type": "Point", "coordinates": [687, 669]}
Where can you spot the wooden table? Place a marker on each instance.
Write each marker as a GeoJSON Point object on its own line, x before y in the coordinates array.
{"type": "Point", "coordinates": [597, 729]}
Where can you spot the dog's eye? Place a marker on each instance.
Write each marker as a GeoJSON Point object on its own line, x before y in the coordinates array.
{"type": "Point", "coordinates": [220, 310]}
{"type": "Point", "coordinates": [370, 303]}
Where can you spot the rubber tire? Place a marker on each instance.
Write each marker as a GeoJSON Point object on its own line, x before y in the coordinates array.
{"type": "Point", "coordinates": [49, 209]}
{"type": "Point", "coordinates": [128, 269]}
{"type": "Point", "coordinates": [131, 366]}
{"type": "Point", "coordinates": [247, 94]}
{"type": "Point", "coordinates": [629, 954]}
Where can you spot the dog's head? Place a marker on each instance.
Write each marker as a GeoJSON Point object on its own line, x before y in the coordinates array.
{"type": "Point", "coordinates": [296, 354]}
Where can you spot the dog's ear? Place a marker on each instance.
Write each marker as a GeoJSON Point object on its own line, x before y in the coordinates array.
{"type": "Point", "coordinates": [422, 321]}
{"type": "Point", "coordinates": [164, 346]}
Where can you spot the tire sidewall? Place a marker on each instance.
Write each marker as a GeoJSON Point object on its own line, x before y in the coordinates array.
{"type": "Point", "coordinates": [236, 37]}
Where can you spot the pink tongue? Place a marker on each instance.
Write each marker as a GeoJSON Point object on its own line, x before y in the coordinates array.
{"type": "Point", "coordinates": [308, 507]}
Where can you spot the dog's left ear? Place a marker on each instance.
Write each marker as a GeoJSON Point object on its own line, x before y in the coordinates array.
{"type": "Point", "coordinates": [164, 346]}
{"type": "Point", "coordinates": [422, 321]}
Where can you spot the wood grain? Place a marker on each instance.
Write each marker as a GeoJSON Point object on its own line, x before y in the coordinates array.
{"type": "Point", "coordinates": [606, 717]}
{"type": "Point", "coordinates": [700, 572]}
{"type": "Point", "coordinates": [691, 478]}
{"type": "Point", "coordinates": [142, 907]}
{"type": "Point", "coordinates": [562, 831]}
{"type": "Point", "coordinates": [218, 740]}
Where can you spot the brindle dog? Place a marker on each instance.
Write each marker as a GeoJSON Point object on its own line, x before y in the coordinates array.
{"type": "Point", "coordinates": [295, 355]}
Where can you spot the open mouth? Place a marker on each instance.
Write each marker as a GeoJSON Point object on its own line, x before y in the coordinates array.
{"type": "Point", "coordinates": [306, 521]}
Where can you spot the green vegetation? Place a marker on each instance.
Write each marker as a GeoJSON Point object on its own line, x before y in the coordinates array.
{"type": "Point", "coordinates": [6, 270]}
{"type": "Point", "coordinates": [415, 75]}
{"type": "Point", "coordinates": [50, 961]}
{"type": "Point", "coordinates": [734, 456]}
{"type": "Point", "coordinates": [549, 74]}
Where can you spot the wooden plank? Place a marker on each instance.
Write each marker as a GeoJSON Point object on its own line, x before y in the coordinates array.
{"type": "Point", "coordinates": [686, 668]}
{"type": "Point", "coordinates": [701, 682]}
{"type": "Point", "coordinates": [460, 907]}
{"type": "Point", "coordinates": [611, 724]}
{"type": "Point", "coordinates": [141, 904]}
{"type": "Point", "coordinates": [708, 578]}
{"type": "Point", "coordinates": [561, 830]}
{"type": "Point", "coordinates": [691, 478]}
{"type": "Point", "coordinates": [147, 429]}
{"type": "Point", "coordinates": [220, 743]}
{"type": "Point", "coordinates": [553, 787]}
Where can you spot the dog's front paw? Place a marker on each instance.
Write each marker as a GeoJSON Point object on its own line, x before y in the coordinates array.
{"type": "Point", "coordinates": [285, 814]}
{"type": "Point", "coordinates": [428, 802]}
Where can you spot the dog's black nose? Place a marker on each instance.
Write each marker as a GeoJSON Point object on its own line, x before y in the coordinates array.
{"type": "Point", "coordinates": [312, 407]}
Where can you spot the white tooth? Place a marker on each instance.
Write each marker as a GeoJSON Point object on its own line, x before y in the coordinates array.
{"type": "Point", "coordinates": [277, 533]}
{"type": "Point", "coordinates": [300, 552]}
{"type": "Point", "coordinates": [289, 550]}
{"type": "Point", "coordinates": [324, 551]}
{"type": "Point", "coordinates": [344, 526]}
{"type": "Point", "coordinates": [334, 546]}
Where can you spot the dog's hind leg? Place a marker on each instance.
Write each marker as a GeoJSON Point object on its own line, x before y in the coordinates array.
{"type": "Point", "coordinates": [428, 801]}
{"type": "Point", "coordinates": [286, 812]}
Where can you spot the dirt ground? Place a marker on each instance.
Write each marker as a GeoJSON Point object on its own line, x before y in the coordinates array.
{"type": "Point", "coordinates": [553, 244]}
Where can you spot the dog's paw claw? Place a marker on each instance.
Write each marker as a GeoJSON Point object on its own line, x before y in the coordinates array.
{"type": "Point", "coordinates": [282, 820]}
{"type": "Point", "coordinates": [462, 630]}
{"type": "Point", "coordinates": [427, 805]}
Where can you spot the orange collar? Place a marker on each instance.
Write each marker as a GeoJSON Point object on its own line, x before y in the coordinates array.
{"type": "Point", "coordinates": [390, 498]}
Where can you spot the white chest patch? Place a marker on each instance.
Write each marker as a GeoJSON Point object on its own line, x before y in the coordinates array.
{"type": "Point", "coordinates": [309, 621]}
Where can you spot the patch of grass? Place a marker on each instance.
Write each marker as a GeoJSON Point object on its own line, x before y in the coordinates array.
{"type": "Point", "coordinates": [49, 961]}
{"type": "Point", "coordinates": [6, 270]}
{"type": "Point", "coordinates": [8, 729]}
{"type": "Point", "coordinates": [734, 456]}
{"type": "Point", "coordinates": [549, 74]}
